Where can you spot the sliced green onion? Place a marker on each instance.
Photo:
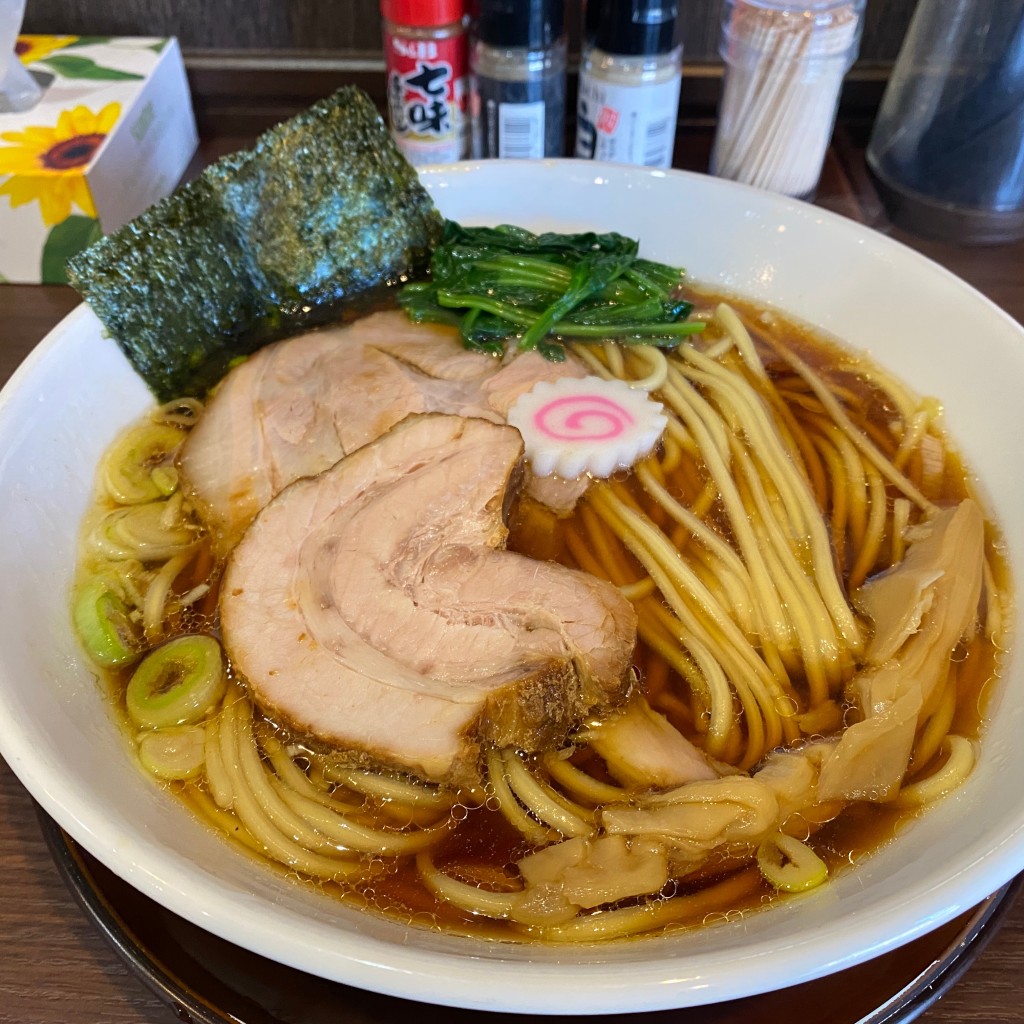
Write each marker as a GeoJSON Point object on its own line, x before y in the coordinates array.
{"type": "Point", "coordinates": [165, 480]}
{"type": "Point", "coordinates": [173, 753]}
{"type": "Point", "coordinates": [178, 683]}
{"type": "Point", "coordinates": [128, 467]}
{"type": "Point", "coordinates": [103, 625]}
{"type": "Point", "coordinates": [789, 864]}
{"type": "Point", "coordinates": [153, 532]}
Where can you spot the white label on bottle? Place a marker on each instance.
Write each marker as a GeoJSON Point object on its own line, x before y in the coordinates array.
{"type": "Point", "coordinates": [628, 124]}
{"type": "Point", "coordinates": [521, 130]}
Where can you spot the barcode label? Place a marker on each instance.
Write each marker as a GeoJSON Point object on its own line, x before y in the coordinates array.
{"type": "Point", "coordinates": [521, 130]}
{"type": "Point", "coordinates": [631, 124]}
{"type": "Point", "coordinates": [658, 139]}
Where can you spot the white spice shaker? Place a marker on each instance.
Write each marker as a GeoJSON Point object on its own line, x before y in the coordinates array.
{"type": "Point", "coordinates": [784, 67]}
{"type": "Point", "coordinates": [630, 70]}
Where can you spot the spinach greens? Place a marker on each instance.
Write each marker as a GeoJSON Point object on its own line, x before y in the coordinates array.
{"type": "Point", "coordinates": [500, 283]}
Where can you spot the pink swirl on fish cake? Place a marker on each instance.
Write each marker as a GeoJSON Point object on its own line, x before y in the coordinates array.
{"type": "Point", "coordinates": [585, 426]}
{"type": "Point", "coordinates": [587, 417]}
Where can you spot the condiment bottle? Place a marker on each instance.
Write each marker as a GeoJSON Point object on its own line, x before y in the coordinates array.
{"type": "Point", "coordinates": [784, 67]}
{"type": "Point", "coordinates": [426, 50]}
{"type": "Point", "coordinates": [518, 59]}
{"type": "Point", "coordinates": [630, 72]}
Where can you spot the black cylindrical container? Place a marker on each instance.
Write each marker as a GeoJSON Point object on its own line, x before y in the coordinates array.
{"type": "Point", "coordinates": [518, 62]}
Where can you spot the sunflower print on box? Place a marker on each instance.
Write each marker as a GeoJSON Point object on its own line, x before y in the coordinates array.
{"type": "Point", "coordinates": [30, 49]}
{"type": "Point", "coordinates": [51, 52]}
{"type": "Point", "coordinates": [112, 134]}
{"type": "Point", "coordinates": [47, 165]}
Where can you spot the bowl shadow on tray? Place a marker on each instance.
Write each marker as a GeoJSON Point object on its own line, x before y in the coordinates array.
{"type": "Point", "coordinates": [206, 980]}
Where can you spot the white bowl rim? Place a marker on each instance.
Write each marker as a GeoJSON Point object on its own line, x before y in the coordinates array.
{"type": "Point", "coordinates": [521, 985]}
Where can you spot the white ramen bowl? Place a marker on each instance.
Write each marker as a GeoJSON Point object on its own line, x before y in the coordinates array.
{"type": "Point", "coordinates": [76, 392]}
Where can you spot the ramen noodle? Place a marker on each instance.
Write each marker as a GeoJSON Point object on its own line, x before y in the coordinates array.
{"type": "Point", "coordinates": [820, 609]}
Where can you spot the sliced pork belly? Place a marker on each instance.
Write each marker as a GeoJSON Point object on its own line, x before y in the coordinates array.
{"type": "Point", "coordinates": [373, 609]}
{"type": "Point", "coordinates": [296, 407]}
{"type": "Point", "coordinates": [519, 375]}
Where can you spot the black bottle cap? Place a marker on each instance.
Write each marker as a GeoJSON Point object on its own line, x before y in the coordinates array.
{"type": "Point", "coordinates": [631, 27]}
{"type": "Point", "coordinates": [531, 24]}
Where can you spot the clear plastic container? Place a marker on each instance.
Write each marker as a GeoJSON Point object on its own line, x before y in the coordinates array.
{"type": "Point", "coordinates": [947, 148]}
{"type": "Point", "coordinates": [784, 68]}
{"type": "Point", "coordinates": [18, 89]}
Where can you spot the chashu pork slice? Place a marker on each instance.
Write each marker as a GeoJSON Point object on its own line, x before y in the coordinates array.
{"type": "Point", "coordinates": [296, 407]}
{"type": "Point", "coordinates": [373, 609]}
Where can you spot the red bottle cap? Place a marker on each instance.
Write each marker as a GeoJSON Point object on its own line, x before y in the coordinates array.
{"type": "Point", "coordinates": [423, 13]}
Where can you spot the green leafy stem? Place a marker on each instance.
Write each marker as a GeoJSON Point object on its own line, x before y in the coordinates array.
{"type": "Point", "coordinates": [496, 284]}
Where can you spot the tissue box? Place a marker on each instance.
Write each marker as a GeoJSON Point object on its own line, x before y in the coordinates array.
{"type": "Point", "coordinates": [113, 133]}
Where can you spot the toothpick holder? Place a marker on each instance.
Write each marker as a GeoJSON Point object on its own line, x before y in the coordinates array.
{"type": "Point", "coordinates": [784, 68]}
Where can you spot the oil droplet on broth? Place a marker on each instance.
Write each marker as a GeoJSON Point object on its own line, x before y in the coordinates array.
{"type": "Point", "coordinates": [785, 705]}
{"type": "Point", "coordinates": [715, 917]}
{"type": "Point", "coordinates": [798, 827]}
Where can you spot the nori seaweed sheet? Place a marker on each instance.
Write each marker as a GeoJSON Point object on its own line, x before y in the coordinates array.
{"type": "Point", "coordinates": [321, 214]}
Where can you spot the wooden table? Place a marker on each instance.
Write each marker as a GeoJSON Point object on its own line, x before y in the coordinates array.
{"type": "Point", "coordinates": [56, 969]}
